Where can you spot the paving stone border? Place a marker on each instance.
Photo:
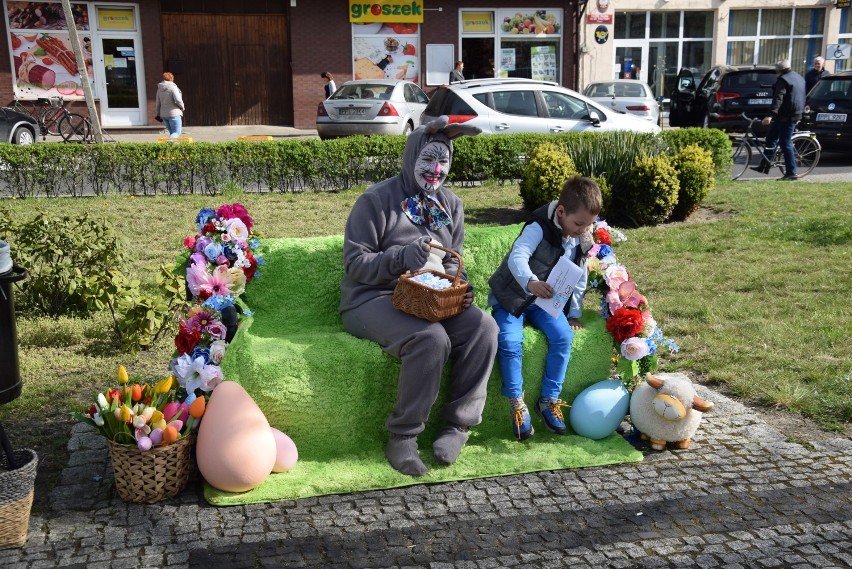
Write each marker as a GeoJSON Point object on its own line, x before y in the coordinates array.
{"type": "Point", "coordinates": [742, 496]}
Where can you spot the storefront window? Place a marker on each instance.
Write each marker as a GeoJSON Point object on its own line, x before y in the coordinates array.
{"type": "Point", "coordinates": [665, 24]}
{"type": "Point", "coordinates": [519, 43]}
{"type": "Point", "coordinates": [630, 25]}
{"type": "Point", "coordinates": [795, 34]}
{"type": "Point", "coordinates": [742, 23]}
{"type": "Point", "coordinates": [844, 38]}
{"type": "Point", "coordinates": [698, 24]}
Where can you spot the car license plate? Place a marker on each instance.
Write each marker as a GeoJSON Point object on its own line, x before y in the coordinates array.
{"type": "Point", "coordinates": [353, 111]}
{"type": "Point", "coordinates": [831, 117]}
{"type": "Point", "coordinates": [760, 101]}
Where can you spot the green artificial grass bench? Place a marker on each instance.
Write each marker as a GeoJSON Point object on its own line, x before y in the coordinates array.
{"type": "Point", "coordinates": [332, 392]}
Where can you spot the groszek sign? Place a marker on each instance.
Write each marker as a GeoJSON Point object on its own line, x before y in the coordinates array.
{"type": "Point", "coordinates": [388, 11]}
{"type": "Point", "coordinates": [598, 18]}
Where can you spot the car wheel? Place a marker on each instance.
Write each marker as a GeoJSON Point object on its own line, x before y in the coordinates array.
{"type": "Point", "coordinates": [407, 129]}
{"type": "Point", "coordinates": [23, 135]}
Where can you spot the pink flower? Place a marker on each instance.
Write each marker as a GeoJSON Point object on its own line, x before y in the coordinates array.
{"type": "Point", "coordinates": [613, 300]}
{"type": "Point", "coordinates": [224, 281]}
{"type": "Point", "coordinates": [629, 296]}
{"type": "Point", "coordinates": [593, 252]}
{"type": "Point", "coordinates": [189, 242]}
{"type": "Point", "coordinates": [615, 275]}
{"type": "Point", "coordinates": [217, 330]}
{"type": "Point", "coordinates": [634, 348]}
{"type": "Point", "coordinates": [235, 211]}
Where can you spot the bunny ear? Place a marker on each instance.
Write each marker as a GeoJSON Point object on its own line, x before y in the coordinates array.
{"type": "Point", "coordinates": [450, 130]}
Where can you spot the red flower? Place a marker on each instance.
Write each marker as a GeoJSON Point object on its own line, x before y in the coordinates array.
{"type": "Point", "coordinates": [204, 295]}
{"type": "Point", "coordinates": [602, 236]}
{"type": "Point", "coordinates": [229, 211]}
{"type": "Point", "coordinates": [209, 228]}
{"type": "Point", "coordinates": [251, 269]}
{"type": "Point", "coordinates": [625, 323]}
{"type": "Point", "coordinates": [186, 340]}
{"type": "Point", "coordinates": [189, 242]}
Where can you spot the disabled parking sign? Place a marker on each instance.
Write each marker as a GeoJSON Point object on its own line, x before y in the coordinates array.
{"type": "Point", "coordinates": [838, 51]}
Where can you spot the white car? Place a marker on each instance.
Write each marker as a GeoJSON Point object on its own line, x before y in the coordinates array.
{"type": "Point", "coordinates": [499, 106]}
{"type": "Point", "coordinates": [371, 106]}
{"type": "Point", "coordinates": [629, 96]}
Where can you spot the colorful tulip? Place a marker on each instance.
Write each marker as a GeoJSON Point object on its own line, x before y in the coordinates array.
{"type": "Point", "coordinates": [197, 408]}
{"type": "Point", "coordinates": [102, 402]}
{"type": "Point", "coordinates": [156, 436]}
{"type": "Point", "coordinates": [170, 434]}
{"type": "Point", "coordinates": [139, 421]}
{"type": "Point", "coordinates": [161, 424]}
{"type": "Point", "coordinates": [136, 393]}
{"type": "Point", "coordinates": [177, 424]}
{"type": "Point", "coordinates": [124, 414]}
{"type": "Point", "coordinates": [170, 410]}
{"type": "Point", "coordinates": [98, 419]}
{"type": "Point", "coordinates": [144, 444]}
{"type": "Point", "coordinates": [165, 385]}
{"type": "Point", "coordinates": [122, 375]}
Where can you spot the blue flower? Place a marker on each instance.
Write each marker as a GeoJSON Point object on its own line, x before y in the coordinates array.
{"type": "Point", "coordinates": [218, 302]}
{"type": "Point", "coordinates": [199, 352]}
{"type": "Point", "coordinates": [254, 243]}
{"type": "Point", "coordinates": [657, 334]}
{"type": "Point", "coordinates": [248, 312]}
{"type": "Point", "coordinates": [671, 345]}
{"type": "Point", "coordinates": [260, 261]}
{"type": "Point", "coordinates": [212, 251]}
{"type": "Point", "coordinates": [205, 215]}
{"type": "Point", "coordinates": [604, 251]}
{"type": "Point", "coordinates": [652, 346]}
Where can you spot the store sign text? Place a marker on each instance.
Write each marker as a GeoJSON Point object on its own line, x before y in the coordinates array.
{"type": "Point", "coordinates": [360, 12]}
{"type": "Point", "coordinates": [598, 18]}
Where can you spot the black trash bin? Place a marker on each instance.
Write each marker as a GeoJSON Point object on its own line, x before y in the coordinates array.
{"type": "Point", "coordinates": [10, 373]}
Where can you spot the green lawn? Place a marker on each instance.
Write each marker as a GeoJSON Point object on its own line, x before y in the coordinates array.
{"type": "Point", "coordinates": [756, 294]}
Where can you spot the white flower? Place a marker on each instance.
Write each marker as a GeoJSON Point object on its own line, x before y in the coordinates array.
{"type": "Point", "coordinates": [217, 351]}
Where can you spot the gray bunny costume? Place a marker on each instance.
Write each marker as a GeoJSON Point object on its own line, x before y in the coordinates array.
{"type": "Point", "coordinates": [377, 235]}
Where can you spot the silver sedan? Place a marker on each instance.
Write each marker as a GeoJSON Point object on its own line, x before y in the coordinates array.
{"type": "Point", "coordinates": [629, 96]}
{"type": "Point", "coordinates": [371, 106]}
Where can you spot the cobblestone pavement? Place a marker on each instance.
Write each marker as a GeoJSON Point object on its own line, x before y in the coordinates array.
{"type": "Point", "coordinates": [742, 496]}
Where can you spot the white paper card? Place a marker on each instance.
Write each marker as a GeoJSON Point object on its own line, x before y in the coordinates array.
{"type": "Point", "coordinates": [563, 278]}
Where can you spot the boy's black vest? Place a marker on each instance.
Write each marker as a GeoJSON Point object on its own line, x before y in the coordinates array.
{"type": "Point", "coordinates": [512, 296]}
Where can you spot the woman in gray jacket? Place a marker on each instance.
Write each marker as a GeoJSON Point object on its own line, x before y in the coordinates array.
{"type": "Point", "coordinates": [170, 105]}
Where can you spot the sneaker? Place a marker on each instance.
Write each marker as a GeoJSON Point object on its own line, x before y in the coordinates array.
{"type": "Point", "coordinates": [790, 177]}
{"type": "Point", "coordinates": [550, 411]}
{"type": "Point", "coordinates": [521, 424]}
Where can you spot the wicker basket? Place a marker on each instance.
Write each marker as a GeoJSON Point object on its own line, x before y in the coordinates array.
{"type": "Point", "coordinates": [16, 497]}
{"type": "Point", "coordinates": [151, 476]}
{"type": "Point", "coordinates": [426, 302]}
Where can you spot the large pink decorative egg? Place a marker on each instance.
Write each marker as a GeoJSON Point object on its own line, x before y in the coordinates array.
{"type": "Point", "coordinates": [287, 454]}
{"type": "Point", "coordinates": [236, 449]}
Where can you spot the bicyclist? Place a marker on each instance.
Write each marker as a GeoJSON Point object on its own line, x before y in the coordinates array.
{"type": "Point", "coordinates": [786, 112]}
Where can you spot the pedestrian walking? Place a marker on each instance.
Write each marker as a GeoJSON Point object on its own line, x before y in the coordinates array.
{"type": "Point", "coordinates": [170, 105]}
{"type": "Point", "coordinates": [330, 86]}
{"type": "Point", "coordinates": [457, 74]}
{"type": "Point", "coordinates": [815, 73]}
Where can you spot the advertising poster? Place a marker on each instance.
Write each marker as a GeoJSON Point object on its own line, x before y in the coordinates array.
{"type": "Point", "coordinates": [536, 23]}
{"type": "Point", "coordinates": [43, 63]}
{"type": "Point", "coordinates": [543, 62]}
{"type": "Point", "coordinates": [386, 51]}
{"type": "Point", "coordinates": [507, 59]}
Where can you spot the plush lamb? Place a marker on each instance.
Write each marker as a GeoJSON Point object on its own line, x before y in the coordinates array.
{"type": "Point", "coordinates": [665, 408]}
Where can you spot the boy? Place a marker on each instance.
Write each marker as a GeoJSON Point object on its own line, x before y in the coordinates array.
{"type": "Point", "coordinates": [560, 228]}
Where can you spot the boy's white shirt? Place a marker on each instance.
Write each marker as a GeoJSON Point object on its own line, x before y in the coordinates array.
{"type": "Point", "coordinates": [523, 249]}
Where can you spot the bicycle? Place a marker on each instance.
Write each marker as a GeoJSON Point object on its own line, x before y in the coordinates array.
{"type": "Point", "coordinates": [805, 145]}
{"type": "Point", "coordinates": [54, 119]}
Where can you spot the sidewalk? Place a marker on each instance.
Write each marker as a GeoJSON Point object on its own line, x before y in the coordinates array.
{"type": "Point", "coordinates": [212, 133]}
{"type": "Point", "coordinates": [745, 495]}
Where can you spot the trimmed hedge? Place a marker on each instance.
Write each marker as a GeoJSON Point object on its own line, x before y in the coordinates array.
{"type": "Point", "coordinates": [314, 165]}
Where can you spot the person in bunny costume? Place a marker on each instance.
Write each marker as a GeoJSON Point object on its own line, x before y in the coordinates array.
{"type": "Point", "coordinates": [387, 234]}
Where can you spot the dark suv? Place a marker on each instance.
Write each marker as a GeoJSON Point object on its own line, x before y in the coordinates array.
{"type": "Point", "coordinates": [828, 111]}
{"type": "Point", "coordinates": [724, 93]}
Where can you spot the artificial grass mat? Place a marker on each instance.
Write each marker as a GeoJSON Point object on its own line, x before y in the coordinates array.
{"type": "Point", "coordinates": [331, 392]}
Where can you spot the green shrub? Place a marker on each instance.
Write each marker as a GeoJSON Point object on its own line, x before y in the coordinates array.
{"type": "Point", "coordinates": [695, 173]}
{"type": "Point", "coordinates": [544, 175]}
{"type": "Point", "coordinates": [606, 195]}
{"type": "Point", "coordinates": [60, 254]}
{"type": "Point", "coordinates": [649, 194]}
{"type": "Point", "coordinates": [610, 155]}
{"type": "Point", "coordinates": [717, 142]}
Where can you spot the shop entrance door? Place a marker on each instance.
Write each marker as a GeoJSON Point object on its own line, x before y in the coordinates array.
{"type": "Point", "coordinates": [630, 62]}
{"type": "Point", "coordinates": [478, 57]}
{"type": "Point", "coordinates": [120, 101]}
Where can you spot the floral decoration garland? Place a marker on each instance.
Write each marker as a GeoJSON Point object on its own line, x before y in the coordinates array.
{"type": "Point", "coordinates": [627, 312]}
{"type": "Point", "coordinates": [222, 259]}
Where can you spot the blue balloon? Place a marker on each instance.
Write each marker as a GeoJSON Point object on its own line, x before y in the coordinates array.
{"type": "Point", "coordinates": [598, 410]}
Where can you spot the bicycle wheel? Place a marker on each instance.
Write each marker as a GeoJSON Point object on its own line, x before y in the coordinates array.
{"type": "Point", "coordinates": [49, 120]}
{"type": "Point", "coordinates": [75, 128]}
{"type": "Point", "coordinates": [807, 154]}
{"type": "Point", "coordinates": [742, 159]}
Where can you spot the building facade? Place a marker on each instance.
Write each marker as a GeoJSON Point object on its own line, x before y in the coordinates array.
{"type": "Point", "coordinates": [259, 61]}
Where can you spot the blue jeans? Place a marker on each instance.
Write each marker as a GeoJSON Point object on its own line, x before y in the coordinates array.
{"type": "Point", "coordinates": [782, 132]}
{"type": "Point", "coordinates": [510, 349]}
{"type": "Point", "coordinates": [173, 124]}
